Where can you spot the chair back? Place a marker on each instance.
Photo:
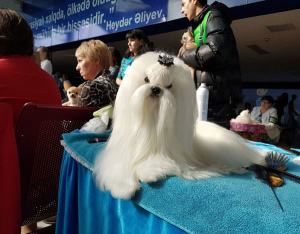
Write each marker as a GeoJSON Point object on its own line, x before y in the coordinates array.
{"type": "Point", "coordinates": [38, 135]}
{"type": "Point", "coordinates": [10, 197]}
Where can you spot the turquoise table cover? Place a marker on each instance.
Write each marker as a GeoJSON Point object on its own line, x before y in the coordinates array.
{"type": "Point", "coordinates": [230, 204]}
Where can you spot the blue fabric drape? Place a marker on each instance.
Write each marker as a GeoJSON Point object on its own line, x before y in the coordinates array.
{"type": "Point", "coordinates": [84, 209]}
{"type": "Point", "coordinates": [229, 204]}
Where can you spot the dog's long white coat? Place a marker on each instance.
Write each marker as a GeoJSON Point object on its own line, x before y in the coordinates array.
{"type": "Point", "coordinates": [155, 136]}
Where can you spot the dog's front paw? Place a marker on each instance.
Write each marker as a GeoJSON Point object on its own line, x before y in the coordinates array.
{"type": "Point", "coordinates": [117, 179]}
{"type": "Point", "coordinates": [123, 186]}
{"type": "Point", "coordinates": [154, 170]}
{"type": "Point", "coordinates": [125, 190]}
{"type": "Point", "coordinates": [149, 176]}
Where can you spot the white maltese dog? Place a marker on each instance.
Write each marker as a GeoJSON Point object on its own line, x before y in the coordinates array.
{"type": "Point", "coordinates": [155, 132]}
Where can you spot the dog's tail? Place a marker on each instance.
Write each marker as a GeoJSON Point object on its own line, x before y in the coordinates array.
{"type": "Point", "coordinates": [218, 147]}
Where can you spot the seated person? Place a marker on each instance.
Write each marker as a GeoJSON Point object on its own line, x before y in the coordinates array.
{"type": "Point", "coordinates": [266, 115]}
{"type": "Point", "coordinates": [21, 79]}
{"type": "Point", "coordinates": [93, 62]}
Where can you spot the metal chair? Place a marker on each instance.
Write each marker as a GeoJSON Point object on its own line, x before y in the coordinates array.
{"type": "Point", "coordinates": [38, 135]}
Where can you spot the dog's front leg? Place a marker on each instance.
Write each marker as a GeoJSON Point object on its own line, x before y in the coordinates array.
{"type": "Point", "coordinates": [156, 168]}
{"type": "Point", "coordinates": [123, 183]}
{"type": "Point", "coordinates": [117, 177]}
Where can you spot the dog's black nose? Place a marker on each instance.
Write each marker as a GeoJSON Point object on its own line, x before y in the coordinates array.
{"type": "Point", "coordinates": [155, 90]}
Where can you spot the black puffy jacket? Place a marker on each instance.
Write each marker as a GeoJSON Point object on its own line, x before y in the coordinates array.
{"type": "Point", "coordinates": [217, 61]}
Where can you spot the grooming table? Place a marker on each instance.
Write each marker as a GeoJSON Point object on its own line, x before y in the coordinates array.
{"type": "Point", "coordinates": [229, 204]}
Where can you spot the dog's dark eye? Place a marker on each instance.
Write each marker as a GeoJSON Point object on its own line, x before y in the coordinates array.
{"type": "Point", "coordinates": [147, 79]}
{"type": "Point", "coordinates": [170, 86]}
{"type": "Point", "coordinates": [76, 93]}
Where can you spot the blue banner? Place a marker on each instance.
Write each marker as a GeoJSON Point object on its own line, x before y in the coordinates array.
{"type": "Point", "coordinates": [75, 20]}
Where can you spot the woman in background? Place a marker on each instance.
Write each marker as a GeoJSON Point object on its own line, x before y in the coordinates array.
{"type": "Point", "coordinates": [46, 64]}
{"type": "Point", "coordinates": [267, 115]}
{"type": "Point", "coordinates": [116, 63]}
{"type": "Point", "coordinates": [138, 44]}
{"type": "Point", "coordinates": [93, 62]}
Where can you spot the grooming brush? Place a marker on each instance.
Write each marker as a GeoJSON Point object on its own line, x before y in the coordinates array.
{"type": "Point", "coordinates": [277, 160]}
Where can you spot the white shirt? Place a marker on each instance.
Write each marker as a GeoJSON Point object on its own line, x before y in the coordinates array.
{"type": "Point", "coordinates": [47, 66]}
{"type": "Point", "coordinates": [272, 129]}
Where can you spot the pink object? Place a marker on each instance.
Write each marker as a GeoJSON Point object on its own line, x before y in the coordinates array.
{"type": "Point", "coordinates": [255, 129]}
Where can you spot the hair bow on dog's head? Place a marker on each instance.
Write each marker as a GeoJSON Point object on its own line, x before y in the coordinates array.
{"type": "Point", "coordinates": [165, 60]}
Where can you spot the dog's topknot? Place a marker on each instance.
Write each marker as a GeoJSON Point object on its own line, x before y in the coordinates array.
{"type": "Point", "coordinates": [165, 60]}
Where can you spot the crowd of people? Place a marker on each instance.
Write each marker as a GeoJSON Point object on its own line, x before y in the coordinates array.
{"type": "Point", "coordinates": [103, 69]}
{"type": "Point", "coordinates": [34, 81]}
{"type": "Point", "coordinates": [215, 61]}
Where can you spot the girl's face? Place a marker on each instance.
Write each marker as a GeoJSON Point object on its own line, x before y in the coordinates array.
{"type": "Point", "coordinates": [134, 45]}
{"type": "Point", "coordinates": [88, 69]}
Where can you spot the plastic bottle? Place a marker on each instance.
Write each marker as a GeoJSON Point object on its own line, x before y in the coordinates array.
{"type": "Point", "coordinates": [202, 95]}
